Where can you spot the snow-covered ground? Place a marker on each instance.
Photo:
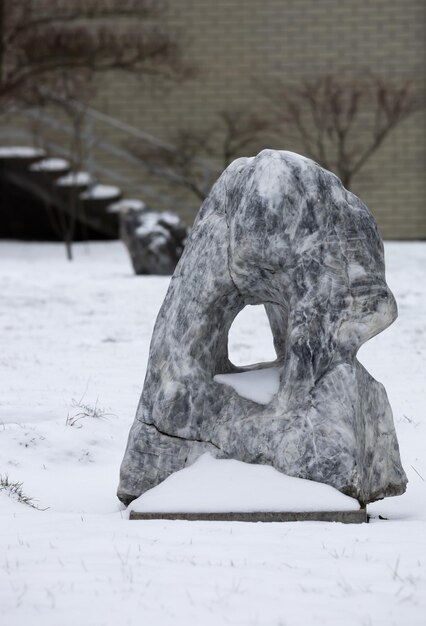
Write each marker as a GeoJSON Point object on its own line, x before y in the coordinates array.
{"type": "Point", "coordinates": [74, 342]}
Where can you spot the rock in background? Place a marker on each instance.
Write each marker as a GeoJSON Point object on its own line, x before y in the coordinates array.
{"type": "Point", "coordinates": [155, 240]}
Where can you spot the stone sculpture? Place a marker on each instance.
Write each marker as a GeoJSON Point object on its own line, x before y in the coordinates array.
{"type": "Point", "coordinates": [280, 230]}
{"type": "Point", "coordinates": [155, 241]}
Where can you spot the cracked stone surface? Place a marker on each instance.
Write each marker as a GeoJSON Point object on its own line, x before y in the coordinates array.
{"type": "Point", "coordinates": [279, 230]}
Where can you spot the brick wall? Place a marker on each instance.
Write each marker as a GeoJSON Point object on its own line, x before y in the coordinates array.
{"type": "Point", "coordinates": [234, 42]}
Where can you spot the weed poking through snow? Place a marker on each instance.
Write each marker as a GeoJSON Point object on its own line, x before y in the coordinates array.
{"type": "Point", "coordinates": [14, 490]}
{"type": "Point", "coordinates": [84, 410]}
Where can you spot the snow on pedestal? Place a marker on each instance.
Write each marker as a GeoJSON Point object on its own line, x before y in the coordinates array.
{"type": "Point", "coordinates": [211, 485]}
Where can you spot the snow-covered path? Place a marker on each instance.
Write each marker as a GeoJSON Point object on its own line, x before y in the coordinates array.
{"type": "Point", "coordinates": [74, 340]}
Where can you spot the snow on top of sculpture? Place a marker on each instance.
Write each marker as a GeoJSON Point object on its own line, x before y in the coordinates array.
{"type": "Point", "coordinates": [279, 230]}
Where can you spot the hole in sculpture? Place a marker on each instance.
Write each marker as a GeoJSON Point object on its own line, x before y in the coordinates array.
{"type": "Point", "coordinates": [250, 342]}
{"type": "Point", "coordinates": [250, 338]}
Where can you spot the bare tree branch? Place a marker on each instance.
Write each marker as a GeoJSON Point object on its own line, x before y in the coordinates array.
{"type": "Point", "coordinates": [50, 51]}
{"type": "Point", "coordinates": [233, 134]}
{"type": "Point", "coordinates": [26, 18]}
{"type": "Point", "coordinates": [341, 123]}
{"type": "Point", "coordinates": [42, 39]}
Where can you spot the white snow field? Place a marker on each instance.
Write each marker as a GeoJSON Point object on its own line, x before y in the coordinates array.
{"type": "Point", "coordinates": [73, 349]}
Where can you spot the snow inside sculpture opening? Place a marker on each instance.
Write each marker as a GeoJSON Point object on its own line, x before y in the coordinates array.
{"type": "Point", "coordinates": [250, 338]}
{"type": "Point", "coordinates": [251, 346]}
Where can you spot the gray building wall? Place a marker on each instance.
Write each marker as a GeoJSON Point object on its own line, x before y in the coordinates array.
{"type": "Point", "coordinates": [235, 43]}
{"type": "Point", "coordinates": [232, 42]}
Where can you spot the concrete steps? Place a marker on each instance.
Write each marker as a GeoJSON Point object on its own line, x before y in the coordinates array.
{"type": "Point", "coordinates": [51, 183]}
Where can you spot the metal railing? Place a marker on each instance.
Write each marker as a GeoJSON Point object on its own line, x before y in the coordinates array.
{"type": "Point", "coordinates": [98, 151]}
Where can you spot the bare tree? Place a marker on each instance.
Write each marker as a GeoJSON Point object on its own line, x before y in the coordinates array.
{"type": "Point", "coordinates": [55, 46]}
{"type": "Point", "coordinates": [66, 221]}
{"type": "Point", "coordinates": [194, 157]}
{"type": "Point", "coordinates": [50, 51]}
{"type": "Point", "coordinates": [342, 123]}
{"type": "Point", "coordinates": [181, 162]}
{"type": "Point", "coordinates": [242, 132]}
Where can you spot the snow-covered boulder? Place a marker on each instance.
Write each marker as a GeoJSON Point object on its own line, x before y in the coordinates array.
{"type": "Point", "coordinates": [155, 241]}
{"type": "Point", "coordinates": [279, 230]}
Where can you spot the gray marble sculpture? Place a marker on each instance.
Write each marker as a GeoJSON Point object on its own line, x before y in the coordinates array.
{"type": "Point", "coordinates": [276, 229]}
